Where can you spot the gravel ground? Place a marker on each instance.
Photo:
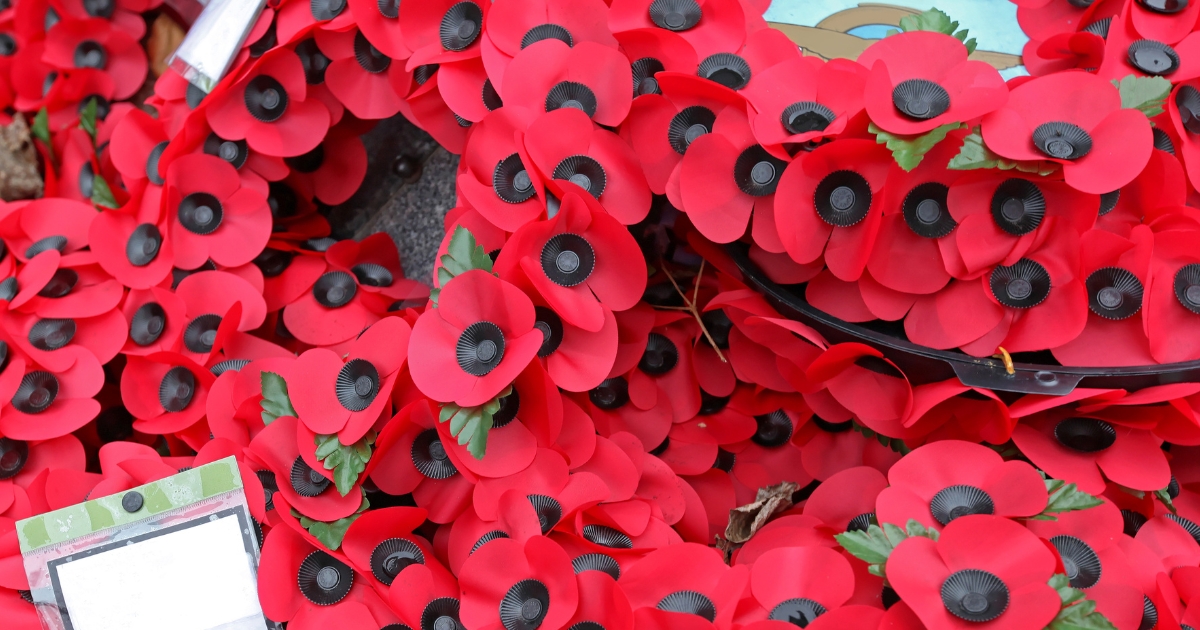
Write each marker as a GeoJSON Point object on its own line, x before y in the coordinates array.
{"type": "Point", "coordinates": [409, 209]}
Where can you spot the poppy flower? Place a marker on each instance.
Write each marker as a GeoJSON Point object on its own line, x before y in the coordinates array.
{"type": "Point", "coordinates": [216, 303]}
{"type": "Point", "coordinates": [567, 148]}
{"type": "Point", "coordinates": [45, 224]}
{"type": "Point", "coordinates": [303, 481]}
{"type": "Point", "coordinates": [944, 481]}
{"type": "Point", "coordinates": [35, 83]}
{"type": "Point", "coordinates": [380, 24]}
{"type": "Point", "coordinates": [382, 543]}
{"type": "Point", "coordinates": [54, 286]}
{"type": "Point", "coordinates": [550, 75]}
{"type": "Point", "coordinates": [79, 167]}
{"type": "Point", "coordinates": [601, 602]}
{"type": "Point", "coordinates": [42, 405]}
{"type": "Point", "coordinates": [518, 24]}
{"type": "Point", "coordinates": [269, 109]}
{"type": "Point", "coordinates": [334, 170]}
{"type": "Point", "coordinates": [124, 14]}
{"type": "Point", "coordinates": [291, 19]}
{"type": "Point", "coordinates": [516, 519]}
{"type": "Point", "coordinates": [308, 587]}
{"type": "Point", "coordinates": [496, 181]}
{"type": "Point", "coordinates": [215, 217]}
{"type": "Point", "coordinates": [818, 100]}
{"type": "Point", "coordinates": [844, 181]}
{"type": "Point", "coordinates": [846, 500]}
{"type": "Point", "coordinates": [770, 456]}
{"type": "Point", "coordinates": [156, 318]}
{"type": "Point", "coordinates": [1064, 51]}
{"type": "Point", "coordinates": [1101, 148]}
{"type": "Point", "coordinates": [962, 578]}
{"type": "Point", "coordinates": [1127, 51]}
{"type": "Point", "coordinates": [922, 80]}
{"type": "Point", "coordinates": [97, 44]}
{"type": "Point", "coordinates": [860, 379]}
{"type": "Point", "coordinates": [332, 396]}
{"type": "Point", "coordinates": [420, 464]}
{"type": "Point", "coordinates": [798, 584]}
{"type": "Point", "coordinates": [484, 339]}
{"type": "Point", "coordinates": [375, 263]}
{"type": "Point", "coordinates": [1162, 184]}
{"type": "Point", "coordinates": [651, 51]}
{"type": "Point", "coordinates": [660, 594]}
{"type": "Point", "coordinates": [518, 585]}
{"type": "Point", "coordinates": [694, 446]}
{"type": "Point", "coordinates": [358, 74]}
{"type": "Point", "coordinates": [336, 306]}
{"type": "Point", "coordinates": [829, 446]}
{"type": "Point", "coordinates": [166, 394]}
{"type": "Point", "coordinates": [1076, 448]}
{"type": "Point", "coordinates": [949, 410]}
{"type": "Point", "coordinates": [129, 242]}
{"type": "Point", "coordinates": [442, 31]}
{"type": "Point", "coordinates": [44, 339]}
{"type": "Point", "coordinates": [613, 411]}
{"type": "Point", "coordinates": [710, 26]}
{"type": "Point", "coordinates": [1173, 302]}
{"type": "Point", "coordinates": [1042, 19]}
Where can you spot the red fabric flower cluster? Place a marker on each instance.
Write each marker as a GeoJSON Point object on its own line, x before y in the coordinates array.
{"type": "Point", "coordinates": [555, 436]}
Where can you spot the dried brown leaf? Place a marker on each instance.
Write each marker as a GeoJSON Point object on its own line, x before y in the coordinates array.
{"type": "Point", "coordinates": [745, 521]}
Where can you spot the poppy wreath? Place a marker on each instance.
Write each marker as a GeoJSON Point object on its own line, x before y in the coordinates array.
{"type": "Point", "coordinates": [591, 421]}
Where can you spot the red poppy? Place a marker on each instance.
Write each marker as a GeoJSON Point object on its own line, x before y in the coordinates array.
{"type": "Point", "coordinates": [304, 483]}
{"type": "Point", "coordinates": [550, 75]}
{"type": "Point", "coordinates": [1161, 185]}
{"type": "Point", "coordinates": [710, 26]}
{"type": "Point", "coordinates": [124, 14]}
{"type": "Point", "coordinates": [79, 167]}
{"type": "Point", "coordinates": [1042, 19]}
{"type": "Point", "coordinates": [517, 24]}
{"type": "Point", "coordinates": [496, 181]}
{"type": "Point", "coordinates": [54, 286]}
{"type": "Point", "coordinates": [818, 99]}
{"type": "Point", "coordinates": [1063, 52]}
{"type": "Point", "coordinates": [425, 107]}
{"type": "Point", "coordinates": [215, 217]}
{"type": "Point", "coordinates": [41, 405]}
{"type": "Point", "coordinates": [845, 180]}
{"type": "Point", "coordinates": [1077, 447]}
{"type": "Point", "coordinates": [35, 83]}
{"type": "Point", "coordinates": [156, 318]}
{"type": "Point", "coordinates": [337, 305]}
{"type": "Point", "coordinates": [798, 585]}
{"type": "Point", "coordinates": [358, 74]}
{"type": "Point", "coordinates": [830, 445]}
{"type": "Point", "coordinates": [129, 242]}
{"type": "Point", "coordinates": [1126, 52]}
{"type": "Point", "coordinates": [662, 596]}
{"type": "Point", "coordinates": [487, 320]}
{"type": "Point", "coordinates": [613, 411]}
{"type": "Point", "coordinates": [443, 31]}
{"type": "Point", "coordinates": [379, 22]}
{"type": "Point", "coordinates": [375, 263]}
{"type": "Point", "coordinates": [45, 339]}
{"type": "Point", "coordinates": [45, 224]}
{"type": "Point", "coordinates": [418, 598]}
{"type": "Point", "coordinates": [949, 410]}
{"type": "Point", "coordinates": [962, 578]}
{"type": "Point", "coordinates": [516, 519]}
{"type": "Point", "coordinates": [293, 18]}
{"type": "Point", "coordinates": [922, 80]}
{"type": "Point", "coordinates": [17, 607]}
{"type": "Point", "coordinates": [217, 303]}
{"type": "Point", "coordinates": [166, 394]}
{"type": "Point", "coordinates": [695, 446]}
{"type": "Point", "coordinates": [335, 169]}
{"type": "Point", "coordinates": [467, 90]}
{"type": "Point", "coordinates": [332, 396]}
{"type": "Point", "coordinates": [1101, 149]}
{"type": "Point", "coordinates": [860, 379]}
{"type": "Point", "coordinates": [771, 455]}
{"type": "Point", "coordinates": [518, 585]}
{"type": "Point", "coordinates": [267, 107]}
{"type": "Point", "coordinates": [846, 500]}
{"type": "Point", "coordinates": [382, 543]}
{"type": "Point", "coordinates": [601, 602]}
{"type": "Point", "coordinates": [566, 147]}
{"type": "Point", "coordinates": [96, 44]}
{"type": "Point", "coordinates": [421, 465]}
{"type": "Point", "coordinates": [1173, 303]}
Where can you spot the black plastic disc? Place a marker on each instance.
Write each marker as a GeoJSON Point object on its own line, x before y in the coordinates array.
{"type": "Point", "coordinates": [200, 213]}
{"type": "Point", "coordinates": [495, 534]}
{"type": "Point", "coordinates": [51, 334]}
{"type": "Point", "coordinates": [228, 365]}
{"type": "Point", "coordinates": [1114, 293]}
{"type": "Point", "coordinates": [797, 611]}
{"type": "Point", "coordinates": [314, 62]}
{"type": "Point", "coordinates": [926, 212]}
{"type": "Point", "coordinates": [606, 536]}
{"type": "Point", "coordinates": [955, 501]}
{"type": "Point", "coordinates": [194, 96]}
{"type": "Point", "coordinates": [36, 392]}
{"type": "Point", "coordinates": [510, 405]}
{"type": "Point", "coordinates": [974, 595]}
{"type": "Point", "coordinates": [662, 447]}
{"type": "Point", "coordinates": [1062, 141]}
{"type": "Point", "coordinates": [920, 99]}
{"type": "Point", "coordinates": [103, 105]}
{"type": "Point", "coordinates": [283, 203]}
{"type": "Point", "coordinates": [806, 116]}
{"type": "Point", "coordinates": [552, 330]}
{"type": "Point", "coordinates": [597, 562]}
{"type": "Point", "coordinates": [392, 556]}
{"type": "Point", "coordinates": [689, 125]}
{"type": "Point", "coordinates": [461, 26]}
{"type": "Point", "coordinates": [372, 275]}
{"type": "Point", "coordinates": [306, 481]}
{"type": "Point", "coordinates": [583, 171]}
{"type": "Point", "coordinates": [152, 163]}
{"type": "Point", "coordinates": [525, 605]}
{"type": "Point", "coordinates": [201, 333]}
{"type": "Point", "coordinates": [388, 8]}
{"type": "Point", "coordinates": [148, 324]}
{"type": "Point", "coordinates": [592, 625]}
{"type": "Point", "coordinates": [142, 247]}
{"type": "Point", "coordinates": [369, 57]}
{"type": "Point", "coordinates": [334, 289]}
{"type": "Point", "coordinates": [8, 289]}
{"type": "Point", "coordinates": [718, 325]}
{"type": "Point", "coordinates": [573, 95]}
{"type": "Point", "coordinates": [323, 579]}
{"type": "Point", "coordinates": [1132, 522]}
{"type": "Point", "coordinates": [675, 15]}
{"type": "Point", "coordinates": [273, 262]}
{"type": "Point", "coordinates": [480, 348]}
{"type": "Point", "coordinates": [644, 70]}
{"type": "Point", "coordinates": [8, 45]}
{"type": "Point", "coordinates": [441, 614]}
{"type": "Point", "coordinates": [546, 31]}
{"type": "Point", "coordinates": [1024, 284]}
{"type": "Point", "coordinates": [548, 510]}
{"type": "Point", "coordinates": [177, 388]}
{"type": "Point", "coordinates": [90, 54]}
{"type": "Point", "coordinates": [660, 355]}
{"type": "Point", "coordinates": [491, 98]}
{"type": "Point", "coordinates": [60, 284]}
{"type": "Point", "coordinates": [1188, 101]}
{"type": "Point", "coordinates": [861, 522]}
{"type": "Point", "coordinates": [511, 181]}
{"type": "Point", "coordinates": [429, 456]}
{"type": "Point", "coordinates": [774, 429]}
{"type": "Point", "coordinates": [1086, 435]}
{"type": "Point", "coordinates": [1187, 287]}
{"type": "Point", "coordinates": [265, 98]}
{"type": "Point", "coordinates": [1149, 615]}
{"type": "Point", "coordinates": [610, 394]}
{"type": "Point", "coordinates": [1162, 141]}
{"type": "Point", "coordinates": [269, 40]}
{"type": "Point", "coordinates": [3, 354]}
{"type": "Point", "coordinates": [568, 259]}
{"type": "Point", "coordinates": [423, 73]}
{"type": "Point", "coordinates": [727, 69]}
{"type": "Point", "coordinates": [46, 244]}
{"type": "Point", "coordinates": [1108, 201]}
{"type": "Point", "coordinates": [689, 602]}
{"type": "Point", "coordinates": [105, 8]}
{"type": "Point", "coordinates": [48, 82]}
{"type": "Point", "coordinates": [843, 198]}
{"type": "Point", "coordinates": [1153, 58]}
{"type": "Point", "coordinates": [1079, 560]}
{"type": "Point", "coordinates": [309, 162]}
{"type": "Point", "coordinates": [1018, 206]}
{"type": "Point", "coordinates": [1164, 6]}
{"type": "Point", "coordinates": [357, 384]}
{"type": "Point", "coordinates": [13, 455]}
{"type": "Point", "coordinates": [87, 177]}
{"type": "Point", "coordinates": [323, 10]}
{"type": "Point", "coordinates": [725, 460]}
{"type": "Point", "coordinates": [757, 172]}
{"type": "Point", "coordinates": [1099, 27]}
{"type": "Point", "coordinates": [710, 404]}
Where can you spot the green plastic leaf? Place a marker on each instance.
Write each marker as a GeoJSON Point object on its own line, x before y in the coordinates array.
{"type": "Point", "coordinates": [87, 119]}
{"type": "Point", "coordinates": [331, 534]}
{"type": "Point", "coordinates": [472, 424]}
{"type": "Point", "coordinates": [875, 545]}
{"type": "Point", "coordinates": [975, 155]}
{"type": "Point", "coordinates": [102, 196]}
{"type": "Point", "coordinates": [1165, 497]}
{"type": "Point", "coordinates": [41, 126]}
{"type": "Point", "coordinates": [1078, 612]}
{"type": "Point", "coordinates": [346, 461]}
{"type": "Point", "coordinates": [1145, 94]}
{"type": "Point", "coordinates": [1065, 497]}
{"type": "Point", "coordinates": [463, 254]}
{"type": "Point", "coordinates": [935, 21]}
{"type": "Point", "coordinates": [275, 401]}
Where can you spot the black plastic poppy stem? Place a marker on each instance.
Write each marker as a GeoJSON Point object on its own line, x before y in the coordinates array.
{"type": "Point", "coordinates": [690, 305]}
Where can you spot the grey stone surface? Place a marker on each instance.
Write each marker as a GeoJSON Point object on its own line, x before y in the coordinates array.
{"type": "Point", "coordinates": [410, 210]}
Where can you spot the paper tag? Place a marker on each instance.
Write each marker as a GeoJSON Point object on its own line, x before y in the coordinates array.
{"type": "Point", "coordinates": [214, 40]}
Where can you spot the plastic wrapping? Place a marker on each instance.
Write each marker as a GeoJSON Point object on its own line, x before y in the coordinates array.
{"type": "Point", "coordinates": [133, 560]}
{"type": "Point", "coordinates": [214, 40]}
